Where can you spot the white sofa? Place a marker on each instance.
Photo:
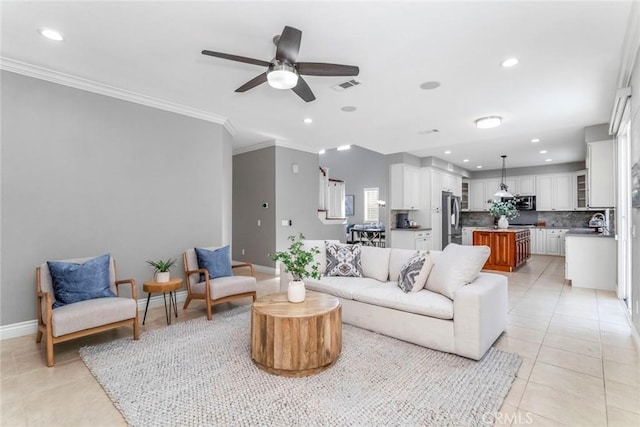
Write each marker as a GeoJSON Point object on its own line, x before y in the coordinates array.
{"type": "Point", "coordinates": [467, 325]}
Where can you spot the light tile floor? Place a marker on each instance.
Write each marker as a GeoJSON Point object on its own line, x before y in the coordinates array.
{"type": "Point", "coordinates": [580, 366]}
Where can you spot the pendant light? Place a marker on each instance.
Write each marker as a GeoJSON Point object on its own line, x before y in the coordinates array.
{"type": "Point", "coordinates": [504, 190]}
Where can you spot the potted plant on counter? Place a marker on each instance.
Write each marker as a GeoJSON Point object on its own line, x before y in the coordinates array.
{"type": "Point", "coordinates": [300, 264]}
{"type": "Point", "coordinates": [504, 211]}
{"type": "Point", "coordinates": [161, 273]}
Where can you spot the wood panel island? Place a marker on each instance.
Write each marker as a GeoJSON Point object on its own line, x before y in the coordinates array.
{"type": "Point", "coordinates": [510, 248]}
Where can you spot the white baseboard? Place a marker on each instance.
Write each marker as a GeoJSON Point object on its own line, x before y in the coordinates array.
{"type": "Point", "coordinates": [30, 327]}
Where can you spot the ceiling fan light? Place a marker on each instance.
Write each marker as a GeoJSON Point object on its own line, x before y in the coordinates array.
{"type": "Point", "coordinates": [282, 76]}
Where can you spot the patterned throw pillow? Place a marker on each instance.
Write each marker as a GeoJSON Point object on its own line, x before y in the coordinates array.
{"type": "Point", "coordinates": [343, 260]}
{"type": "Point", "coordinates": [410, 272]}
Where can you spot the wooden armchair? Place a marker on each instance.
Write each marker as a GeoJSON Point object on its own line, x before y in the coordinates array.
{"type": "Point", "coordinates": [218, 290]}
{"type": "Point", "coordinates": [82, 318]}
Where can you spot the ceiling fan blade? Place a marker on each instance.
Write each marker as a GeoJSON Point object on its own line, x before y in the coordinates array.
{"type": "Point", "coordinates": [321, 69]}
{"type": "Point", "coordinates": [253, 83]}
{"type": "Point", "coordinates": [237, 58]}
{"type": "Point", "coordinates": [303, 90]}
{"type": "Point", "coordinates": [289, 45]}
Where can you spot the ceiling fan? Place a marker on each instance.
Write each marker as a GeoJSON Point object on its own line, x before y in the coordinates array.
{"type": "Point", "coordinates": [283, 72]}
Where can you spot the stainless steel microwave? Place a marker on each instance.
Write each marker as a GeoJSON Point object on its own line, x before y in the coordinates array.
{"type": "Point", "coordinates": [523, 203]}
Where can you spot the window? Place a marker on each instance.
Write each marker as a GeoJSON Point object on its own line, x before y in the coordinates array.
{"type": "Point", "coordinates": [371, 205]}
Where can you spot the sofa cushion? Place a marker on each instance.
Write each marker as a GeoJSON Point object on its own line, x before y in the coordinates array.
{"type": "Point", "coordinates": [217, 262]}
{"type": "Point", "coordinates": [339, 286]}
{"type": "Point", "coordinates": [410, 272]}
{"type": "Point", "coordinates": [74, 282]}
{"type": "Point", "coordinates": [221, 287]}
{"type": "Point", "coordinates": [456, 266]}
{"type": "Point", "coordinates": [397, 259]}
{"type": "Point", "coordinates": [319, 258]}
{"type": "Point", "coordinates": [375, 262]}
{"type": "Point", "coordinates": [91, 313]}
{"type": "Point", "coordinates": [344, 260]}
{"type": "Point", "coordinates": [425, 302]}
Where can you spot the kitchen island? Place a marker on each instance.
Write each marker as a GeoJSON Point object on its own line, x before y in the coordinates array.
{"type": "Point", "coordinates": [510, 248]}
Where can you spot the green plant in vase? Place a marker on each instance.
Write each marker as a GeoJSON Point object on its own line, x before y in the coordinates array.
{"type": "Point", "coordinates": [300, 264]}
{"type": "Point", "coordinates": [162, 268]}
{"type": "Point", "coordinates": [504, 211]}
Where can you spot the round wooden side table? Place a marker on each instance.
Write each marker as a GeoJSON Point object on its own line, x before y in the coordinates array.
{"type": "Point", "coordinates": [296, 339]}
{"type": "Point", "coordinates": [171, 286]}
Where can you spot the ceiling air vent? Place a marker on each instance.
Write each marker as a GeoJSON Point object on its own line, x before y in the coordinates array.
{"type": "Point", "coordinates": [346, 85]}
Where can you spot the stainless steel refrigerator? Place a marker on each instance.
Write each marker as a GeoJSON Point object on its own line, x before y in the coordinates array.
{"type": "Point", "coordinates": [451, 228]}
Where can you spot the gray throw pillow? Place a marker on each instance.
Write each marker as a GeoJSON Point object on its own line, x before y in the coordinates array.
{"type": "Point", "coordinates": [410, 272]}
{"type": "Point", "coordinates": [343, 260]}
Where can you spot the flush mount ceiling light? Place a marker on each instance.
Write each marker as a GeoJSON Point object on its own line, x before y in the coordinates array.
{"type": "Point", "coordinates": [282, 76]}
{"type": "Point", "coordinates": [543, 151]}
{"type": "Point", "coordinates": [447, 152]}
{"type": "Point", "coordinates": [488, 122]}
{"type": "Point", "coordinates": [548, 160]}
{"type": "Point", "coordinates": [535, 140]}
{"type": "Point", "coordinates": [479, 167]}
{"type": "Point", "coordinates": [510, 62]}
{"type": "Point", "coordinates": [503, 191]}
{"type": "Point", "coordinates": [430, 85]}
{"type": "Point", "coordinates": [51, 34]}
{"type": "Point", "coordinates": [308, 120]}
{"type": "Point", "coordinates": [465, 160]}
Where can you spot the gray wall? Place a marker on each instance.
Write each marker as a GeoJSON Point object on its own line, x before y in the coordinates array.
{"type": "Point", "coordinates": [297, 198]}
{"type": "Point", "coordinates": [254, 183]}
{"type": "Point", "coordinates": [85, 174]}
{"type": "Point", "coordinates": [359, 168]}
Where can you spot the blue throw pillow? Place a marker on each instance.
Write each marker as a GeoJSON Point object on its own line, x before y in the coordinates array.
{"type": "Point", "coordinates": [217, 262]}
{"type": "Point", "coordinates": [74, 282]}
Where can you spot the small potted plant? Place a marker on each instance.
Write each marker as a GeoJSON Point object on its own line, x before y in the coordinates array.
{"type": "Point", "coordinates": [300, 264]}
{"type": "Point", "coordinates": [161, 272]}
{"type": "Point", "coordinates": [504, 211]}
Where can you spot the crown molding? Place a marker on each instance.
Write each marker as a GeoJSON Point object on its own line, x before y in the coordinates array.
{"type": "Point", "coordinates": [46, 74]}
{"type": "Point", "coordinates": [271, 143]}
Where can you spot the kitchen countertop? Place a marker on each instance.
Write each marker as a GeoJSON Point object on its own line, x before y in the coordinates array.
{"type": "Point", "coordinates": [501, 230]}
{"type": "Point", "coordinates": [588, 232]}
{"type": "Point", "coordinates": [411, 229]}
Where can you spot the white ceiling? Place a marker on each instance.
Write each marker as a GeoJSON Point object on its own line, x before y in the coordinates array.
{"type": "Point", "coordinates": [569, 55]}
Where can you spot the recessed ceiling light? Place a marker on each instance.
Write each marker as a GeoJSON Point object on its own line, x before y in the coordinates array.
{"type": "Point", "coordinates": [344, 147]}
{"type": "Point", "coordinates": [308, 120]}
{"type": "Point", "coordinates": [321, 151]}
{"type": "Point", "coordinates": [548, 160]}
{"type": "Point", "coordinates": [51, 34]}
{"type": "Point", "coordinates": [535, 140]}
{"type": "Point", "coordinates": [466, 160]}
{"type": "Point", "coordinates": [479, 167]}
{"type": "Point", "coordinates": [543, 151]}
{"type": "Point", "coordinates": [488, 122]}
{"type": "Point", "coordinates": [510, 62]}
{"type": "Point", "coordinates": [348, 108]}
{"type": "Point", "coordinates": [430, 85]}
{"type": "Point", "coordinates": [447, 152]}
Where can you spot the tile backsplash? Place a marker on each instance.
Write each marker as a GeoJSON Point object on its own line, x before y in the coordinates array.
{"type": "Point", "coordinates": [564, 219]}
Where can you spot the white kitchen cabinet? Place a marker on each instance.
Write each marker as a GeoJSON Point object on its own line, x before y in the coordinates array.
{"type": "Point", "coordinates": [556, 241]}
{"type": "Point", "coordinates": [601, 174]}
{"type": "Point", "coordinates": [526, 186]}
{"type": "Point", "coordinates": [477, 201]}
{"type": "Point", "coordinates": [579, 189]}
{"type": "Point", "coordinates": [467, 235]}
{"type": "Point", "coordinates": [437, 182]}
{"type": "Point", "coordinates": [491, 186]}
{"type": "Point", "coordinates": [538, 241]}
{"type": "Point", "coordinates": [512, 185]}
{"type": "Point", "coordinates": [591, 262]}
{"type": "Point", "coordinates": [414, 240]}
{"type": "Point", "coordinates": [405, 187]}
{"type": "Point", "coordinates": [465, 202]}
{"type": "Point", "coordinates": [423, 240]}
{"type": "Point", "coordinates": [554, 192]}
{"type": "Point", "coordinates": [457, 185]}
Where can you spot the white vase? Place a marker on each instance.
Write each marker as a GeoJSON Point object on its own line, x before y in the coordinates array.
{"type": "Point", "coordinates": [162, 277]}
{"type": "Point", "coordinates": [296, 291]}
{"type": "Point", "coordinates": [503, 222]}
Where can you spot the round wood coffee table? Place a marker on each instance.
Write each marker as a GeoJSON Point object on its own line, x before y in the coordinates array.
{"type": "Point", "coordinates": [296, 339]}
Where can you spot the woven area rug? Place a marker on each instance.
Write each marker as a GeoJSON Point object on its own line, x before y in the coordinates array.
{"type": "Point", "coordinates": [200, 373]}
